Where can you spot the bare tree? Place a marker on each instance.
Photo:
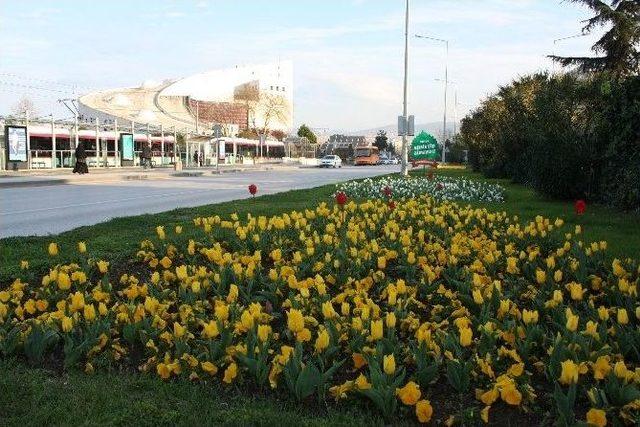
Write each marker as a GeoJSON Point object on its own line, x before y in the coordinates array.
{"type": "Point", "coordinates": [23, 105]}
{"type": "Point", "coordinates": [263, 108]}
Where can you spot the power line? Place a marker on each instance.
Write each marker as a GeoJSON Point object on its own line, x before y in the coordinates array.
{"type": "Point", "coordinates": [32, 87]}
{"type": "Point", "coordinates": [34, 79]}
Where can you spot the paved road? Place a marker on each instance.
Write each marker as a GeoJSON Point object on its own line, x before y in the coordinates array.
{"type": "Point", "coordinates": [52, 209]}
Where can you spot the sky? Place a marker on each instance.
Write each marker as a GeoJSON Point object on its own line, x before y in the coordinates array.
{"type": "Point", "coordinates": [347, 54]}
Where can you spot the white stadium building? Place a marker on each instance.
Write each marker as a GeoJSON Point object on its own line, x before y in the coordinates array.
{"type": "Point", "coordinates": [256, 98]}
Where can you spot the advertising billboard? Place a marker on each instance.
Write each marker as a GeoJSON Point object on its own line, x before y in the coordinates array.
{"type": "Point", "coordinates": [126, 140]}
{"type": "Point", "coordinates": [16, 142]}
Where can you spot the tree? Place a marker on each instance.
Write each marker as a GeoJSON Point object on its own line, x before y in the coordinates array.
{"type": "Point", "coordinates": [263, 108]}
{"type": "Point", "coordinates": [278, 134]}
{"type": "Point", "coordinates": [305, 131]}
{"type": "Point", "coordinates": [617, 48]}
{"type": "Point", "coordinates": [23, 105]}
{"type": "Point", "coordinates": [382, 142]}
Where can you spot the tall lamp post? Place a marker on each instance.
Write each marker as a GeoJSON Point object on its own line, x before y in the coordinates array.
{"type": "Point", "coordinates": [405, 152]}
{"type": "Point", "coordinates": [455, 103]}
{"type": "Point", "coordinates": [575, 36]}
{"type": "Point", "coordinates": [446, 83]}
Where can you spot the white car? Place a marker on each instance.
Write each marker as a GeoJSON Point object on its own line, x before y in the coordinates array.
{"type": "Point", "coordinates": [331, 161]}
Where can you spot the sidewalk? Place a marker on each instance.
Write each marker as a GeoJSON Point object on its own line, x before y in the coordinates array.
{"type": "Point", "coordinates": [32, 178]}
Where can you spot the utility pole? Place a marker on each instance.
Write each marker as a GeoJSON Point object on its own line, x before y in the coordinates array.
{"type": "Point", "coordinates": [446, 84]}
{"type": "Point", "coordinates": [405, 154]}
{"type": "Point", "coordinates": [54, 155]}
{"type": "Point", "coordinates": [74, 111]}
{"type": "Point", "coordinates": [98, 151]}
{"type": "Point", "coordinates": [175, 143]}
{"type": "Point", "coordinates": [197, 116]}
{"type": "Point", "coordinates": [161, 144]}
{"type": "Point", "coordinates": [26, 120]}
{"type": "Point", "coordinates": [116, 143]}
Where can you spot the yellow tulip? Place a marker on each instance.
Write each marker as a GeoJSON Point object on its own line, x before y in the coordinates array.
{"type": "Point", "coordinates": [569, 374]}
{"type": "Point", "coordinates": [424, 411]}
{"type": "Point", "coordinates": [623, 318]}
{"type": "Point", "coordinates": [64, 281]}
{"type": "Point", "coordinates": [246, 320]}
{"type": "Point", "coordinates": [178, 330]}
{"type": "Point", "coordinates": [67, 324]}
{"type": "Point", "coordinates": [362, 383]}
{"type": "Point", "coordinates": [82, 247]}
{"type": "Point", "coordinates": [210, 330]}
{"type": "Point", "coordinates": [390, 320]}
{"type": "Point", "coordinates": [295, 320]}
{"type": "Point", "coordinates": [529, 316]}
{"type": "Point", "coordinates": [466, 337]}
{"type": "Point", "coordinates": [389, 364]}
{"type": "Point", "coordinates": [511, 395]}
{"type": "Point", "coordinates": [53, 249]}
{"type": "Point", "coordinates": [377, 330]}
{"type": "Point", "coordinates": [601, 368]}
{"type": "Point", "coordinates": [322, 342]}
{"type": "Point", "coordinates": [103, 266]}
{"type": "Point", "coordinates": [264, 331]}
{"type": "Point", "coordinates": [230, 373]}
{"type": "Point", "coordinates": [477, 296]}
{"type": "Point", "coordinates": [89, 312]}
{"type": "Point", "coordinates": [596, 417]}
{"type": "Point", "coordinates": [572, 322]}
{"type": "Point", "coordinates": [409, 394]}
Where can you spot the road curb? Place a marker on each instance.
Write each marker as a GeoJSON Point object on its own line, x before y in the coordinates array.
{"type": "Point", "coordinates": [9, 183]}
{"type": "Point", "coordinates": [33, 183]}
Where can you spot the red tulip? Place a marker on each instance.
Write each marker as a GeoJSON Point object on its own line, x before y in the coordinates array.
{"type": "Point", "coordinates": [392, 205]}
{"type": "Point", "coordinates": [387, 191]}
{"type": "Point", "coordinates": [341, 198]}
{"type": "Point", "coordinates": [253, 189]}
{"type": "Point", "coordinates": [580, 206]}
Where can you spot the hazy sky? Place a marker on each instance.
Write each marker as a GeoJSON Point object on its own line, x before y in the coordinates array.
{"type": "Point", "coordinates": [347, 54]}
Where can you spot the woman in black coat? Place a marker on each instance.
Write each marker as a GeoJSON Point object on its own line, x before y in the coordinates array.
{"type": "Point", "coordinates": [81, 159]}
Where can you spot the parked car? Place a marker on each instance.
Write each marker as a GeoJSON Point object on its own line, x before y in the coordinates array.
{"type": "Point", "coordinates": [391, 161]}
{"type": "Point", "coordinates": [331, 161]}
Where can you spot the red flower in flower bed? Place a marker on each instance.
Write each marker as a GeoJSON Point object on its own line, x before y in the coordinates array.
{"type": "Point", "coordinates": [580, 207]}
{"type": "Point", "coordinates": [439, 186]}
{"type": "Point", "coordinates": [253, 189]}
{"type": "Point", "coordinates": [392, 205]}
{"type": "Point", "coordinates": [387, 191]}
{"type": "Point", "coordinates": [341, 198]}
{"type": "Point", "coordinates": [430, 176]}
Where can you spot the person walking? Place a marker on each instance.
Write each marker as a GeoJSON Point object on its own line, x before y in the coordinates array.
{"type": "Point", "coordinates": [146, 155]}
{"type": "Point", "coordinates": [81, 159]}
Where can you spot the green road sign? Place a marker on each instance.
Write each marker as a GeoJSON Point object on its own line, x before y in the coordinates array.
{"type": "Point", "coordinates": [424, 146]}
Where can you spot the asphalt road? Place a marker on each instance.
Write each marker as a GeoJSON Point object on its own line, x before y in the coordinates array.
{"type": "Point", "coordinates": [52, 209]}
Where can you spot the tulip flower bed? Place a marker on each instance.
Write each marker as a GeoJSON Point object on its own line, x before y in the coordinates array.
{"type": "Point", "coordinates": [427, 311]}
{"type": "Point", "coordinates": [440, 187]}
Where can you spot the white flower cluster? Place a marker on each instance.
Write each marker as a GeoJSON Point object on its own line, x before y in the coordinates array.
{"type": "Point", "coordinates": [439, 187]}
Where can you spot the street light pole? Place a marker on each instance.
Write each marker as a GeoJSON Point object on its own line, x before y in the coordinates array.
{"type": "Point", "coordinates": [405, 153]}
{"type": "Point", "coordinates": [446, 84]}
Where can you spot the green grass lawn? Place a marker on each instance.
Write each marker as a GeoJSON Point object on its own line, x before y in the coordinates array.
{"type": "Point", "coordinates": [36, 397]}
{"type": "Point", "coordinates": [30, 396]}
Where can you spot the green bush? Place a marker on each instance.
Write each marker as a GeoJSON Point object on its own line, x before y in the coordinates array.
{"type": "Point", "coordinates": [568, 136]}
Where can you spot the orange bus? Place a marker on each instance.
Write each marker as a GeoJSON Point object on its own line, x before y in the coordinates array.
{"type": "Point", "coordinates": [366, 156]}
